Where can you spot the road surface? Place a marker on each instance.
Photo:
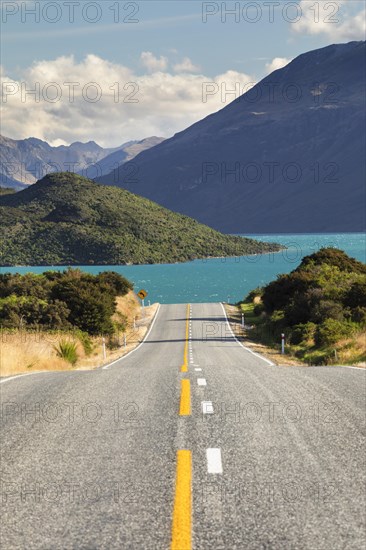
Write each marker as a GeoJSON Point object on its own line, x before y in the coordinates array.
{"type": "Point", "coordinates": [191, 441]}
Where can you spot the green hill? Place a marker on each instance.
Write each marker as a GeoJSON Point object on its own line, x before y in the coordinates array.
{"type": "Point", "coordinates": [65, 219]}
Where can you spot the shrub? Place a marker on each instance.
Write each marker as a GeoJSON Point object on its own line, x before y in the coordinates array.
{"type": "Point", "coordinates": [356, 296]}
{"type": "Point", "coordinates": [333, 257]}
{"type": "Point", "coordinates": [331, 331]}
{"type": "Point", "coordinates": [256, 292]}
{"type": "Point", "coordinates": [327, 309]}
{"type": "Point", "coordinates": [277, 294]}
{"type": "Point", "coordinates": [118, 285]}
{"type": "Point", "coordinates": [302, 333]}
{"type": "Point", "coordinates": [258, 309]}
{"type": "Point", "coordinates": [67, 350]}
{"type": "Point", "coordinates": [359, 315]}
{"type": "Point", "coordinates": [90, 307]}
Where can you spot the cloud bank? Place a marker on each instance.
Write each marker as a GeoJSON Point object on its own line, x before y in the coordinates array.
{"type": "Point", "coordinates": [64, 100]}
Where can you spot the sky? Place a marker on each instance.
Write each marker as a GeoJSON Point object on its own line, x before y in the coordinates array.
{"type": "Point", "coordinates": [112, 71]}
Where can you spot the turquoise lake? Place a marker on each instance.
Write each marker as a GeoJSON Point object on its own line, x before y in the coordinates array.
{"type": "Point", "coordinates": [224, 279]}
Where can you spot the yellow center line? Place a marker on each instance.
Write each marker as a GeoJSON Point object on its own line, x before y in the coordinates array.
{"type": "Point", "coordinates": [182, 529]}
{"type": "Point", "coordinates": [185, 398]}
{"type": "Point", "coordinates": [184, 367]}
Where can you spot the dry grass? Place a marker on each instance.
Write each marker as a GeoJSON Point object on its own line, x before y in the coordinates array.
{"type": "Point", "coordinates": [234, 316]}
{"type": "Point", "coordinates": [30, 352]}
{"type": "Point", "coordinates": [26, 352]}
{"type": "Point", "coordinates": [353, 350]}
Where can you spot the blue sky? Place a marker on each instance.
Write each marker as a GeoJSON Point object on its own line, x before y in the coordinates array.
{"type": "Point", "coordinates": [170, 49]}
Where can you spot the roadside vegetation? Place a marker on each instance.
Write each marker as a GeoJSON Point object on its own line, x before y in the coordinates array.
{"type": "Point", "coordinates": [58, 320]}
{"type": "Point", "coordinates": [320, 307]}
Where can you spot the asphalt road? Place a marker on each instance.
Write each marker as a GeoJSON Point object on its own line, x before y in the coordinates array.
{"type": "Point", "coordinates": [243, 455]}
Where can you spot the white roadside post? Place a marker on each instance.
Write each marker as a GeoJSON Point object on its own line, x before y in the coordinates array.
{"type": "Point", "coordinates": [242, 320]}
{"type": "Point", "coordinates": [124, 341]}
{"type": "Point", "coordinates": [134, 323]}
{"type": "Point", "coordinates": [104, 351]}
{"type": "Point", "coordinates": [282, 344]}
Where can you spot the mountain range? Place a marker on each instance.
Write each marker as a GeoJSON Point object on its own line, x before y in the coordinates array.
{"type": "Point", "coordinates": [66, 219]}
{"type": "Point", "coordinates": [23, 162]}
{"type": "Point", "coordinates": [286, 156]}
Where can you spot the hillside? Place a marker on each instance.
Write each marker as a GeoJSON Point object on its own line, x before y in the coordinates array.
{"type": "Point", "coordinates": [65, 219]}
{"type": "Point", "coordinates": [295, 143]}
{"type": "Point", "coordinates": [320, 307]}
{"type": "Point", "coordinates": [24, 161]}
{"type": "Point", "coordinates": [123, 155]}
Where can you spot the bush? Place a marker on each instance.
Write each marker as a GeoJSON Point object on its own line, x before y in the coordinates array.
{"type": "Point", "coordinates": [359, 315]}
{"type": "Point", "coordinates": [67, 350]}
{"type": "Point", "coordinates": [91, 307]}
{"type": "Point", "coordinates": [302, 333]}
{"type": "Point", "coordinates": [258, 309]}
{"type": "Point", "coordinates": [255, 293]}
{"type": "Point", "coordinates": [331, 331]}
{"type": "Point", "coordinates": [327, 309]}
{"type": "Point", "coordinates": [333, 257]}
{"type": "Point", "coordinates": [115, 282]}
{"type": "Point", "coordinates": [278, 294]}
{"type": "Point", "coordinates": [59, 300]}
{"type": "Point", "coordinates": [356, 296]}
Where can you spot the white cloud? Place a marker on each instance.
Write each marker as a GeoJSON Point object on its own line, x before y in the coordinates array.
{"type": "Point", "coordinates": [337, 20]}
{"type": "Point", "coordinates": [153, 63]}
{"type": "Point", "coordinates": [186, 66]}
{"type": "Point", "coordinates": [277, 63]}
{"type": "Point", "coordinates": [155, 103]}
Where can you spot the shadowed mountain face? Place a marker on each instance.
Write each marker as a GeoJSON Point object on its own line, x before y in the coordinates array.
{"type": "Point", "coordinates": [287, 156]}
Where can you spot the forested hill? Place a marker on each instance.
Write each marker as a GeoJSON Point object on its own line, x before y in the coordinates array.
{"type": "Point", "coordinates": [65, 219]}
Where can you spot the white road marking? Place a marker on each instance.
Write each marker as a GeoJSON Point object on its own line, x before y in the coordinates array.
{"type": "Point", "coordinates": [201, 381]}
{"type": "Point", "coordinates": [207, 407]}
{"type": "Point", "coordinates": [25, 374]}
{"type": "Point", "coordinates": [214, 462]}
{"type": "Point", "coordinates": [198, 370]}
{"type": "Point", "coordinates": [247, 349]}
{"type": "Point", "coordinates": [135, 349]}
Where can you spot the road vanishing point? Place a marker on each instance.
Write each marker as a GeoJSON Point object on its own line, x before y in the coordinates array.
{"type": "Point", "coordinates": [189, 442]}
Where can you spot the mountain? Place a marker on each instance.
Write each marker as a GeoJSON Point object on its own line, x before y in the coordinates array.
{"type": "Point", "coordinates": [296, 145]}
{"type": "Point", "coordinates": [23, 162]}
{"type": "Point", "coordinates": [65, 219]}
{"type": "Point", "coordinates": [125, 154]}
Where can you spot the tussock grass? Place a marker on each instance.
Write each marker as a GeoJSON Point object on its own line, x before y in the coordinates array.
{"type": "Point", "coordinates": [68, 351]}
{"type": "Point", "coordinates": [23, 352]}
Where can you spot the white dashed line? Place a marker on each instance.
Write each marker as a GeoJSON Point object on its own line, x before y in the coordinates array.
{"type": "Point", "coordinates": [198, 369]}
{"type": "Point", "coordinates": [201, 381]}
{"type": "Point", "coordinates": [207, 407]}
{"type": "Point", "coordinates": [214, 462]}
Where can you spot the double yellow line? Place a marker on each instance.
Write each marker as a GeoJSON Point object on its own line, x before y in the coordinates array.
{"type": "Point", "coordinates": [182, 513]}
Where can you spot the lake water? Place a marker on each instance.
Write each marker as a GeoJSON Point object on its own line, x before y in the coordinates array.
{"type": "Point", "coordinates": [224, 279]}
